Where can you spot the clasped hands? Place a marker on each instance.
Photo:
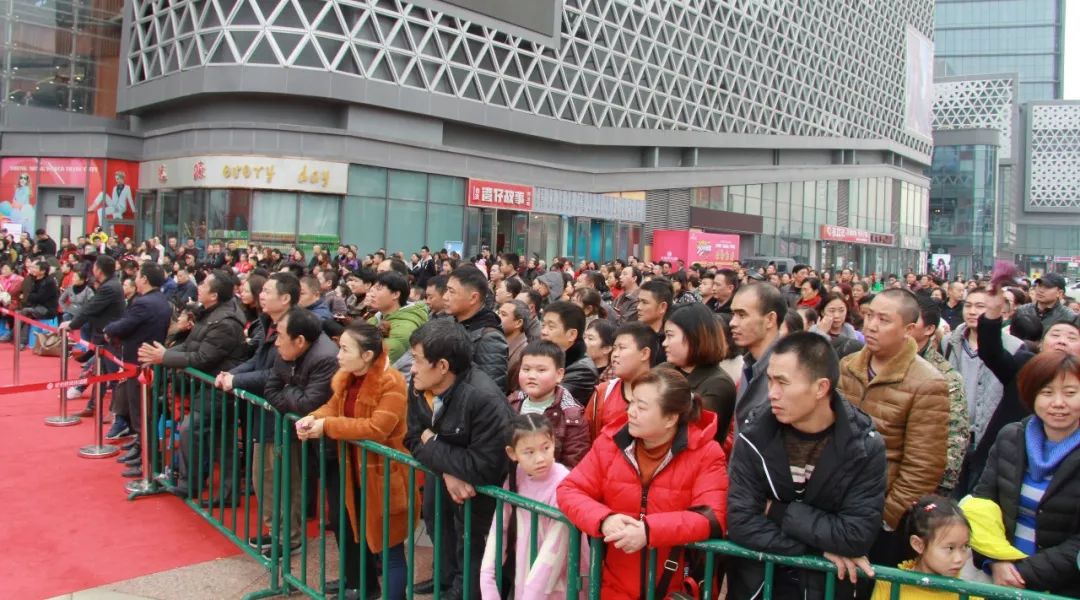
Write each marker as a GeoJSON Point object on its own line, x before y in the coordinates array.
{"type": "Point", "coordinates": [625, 532]}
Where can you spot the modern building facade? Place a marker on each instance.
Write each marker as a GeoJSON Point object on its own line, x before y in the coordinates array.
{"type": "Point", "coordinates": [538, 126]}
{"type": "Point", "coordinates": [1024, 39]}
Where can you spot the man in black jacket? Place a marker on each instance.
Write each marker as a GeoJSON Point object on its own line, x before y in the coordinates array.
{"type": "Point", "coordinates": [466, 295]}
{"type": "Point", "coordinates": [564, 324]}
{"type": "Point", "coordinates": [807, 475]}
{"type": "Point", "coordinates": [458, 422]}
{"type": "Point", "coordinates": [105, 306]}
{"type": "Point", "coordinates": [45, 246]}
{"type": "Point", "coordinates": [146, 320]}
{"type": "Point", "coordinates": [216, 343]}
{"type": "Point", "coordinates": [43, 298]}
{"type": "Point", "coordinates": [299, 382]}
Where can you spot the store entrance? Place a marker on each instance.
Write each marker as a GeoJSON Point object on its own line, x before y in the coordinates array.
{"type": "Point", "coordinates": [511, 232]}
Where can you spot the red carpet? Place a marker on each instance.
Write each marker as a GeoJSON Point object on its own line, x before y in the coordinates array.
{"type": "Point", "coordinates": [67, 524]}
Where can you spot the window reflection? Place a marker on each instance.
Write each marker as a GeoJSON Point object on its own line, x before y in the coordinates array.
{"type": "Point", "coordinates": [62, 54]}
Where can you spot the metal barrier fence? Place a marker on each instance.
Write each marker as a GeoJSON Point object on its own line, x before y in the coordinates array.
{"type": "Point", "coordinates": [225, 428]}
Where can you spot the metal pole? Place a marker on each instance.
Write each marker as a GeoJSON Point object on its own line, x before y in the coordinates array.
{"type": "Point", "coordinates": [98, 449]}
{"type": "Point", "coordinates": [63, 420]}
{"type": "Point", "coordinates": [147, 485]}
{"type": "Point", "coordinates": [16, 329]}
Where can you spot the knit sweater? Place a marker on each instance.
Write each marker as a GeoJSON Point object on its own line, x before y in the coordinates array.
{"type": "Point", "coordinates": [547, 577]}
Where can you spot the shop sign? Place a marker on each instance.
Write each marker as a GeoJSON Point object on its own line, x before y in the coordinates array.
{"type": "Point", "coordinates": [695, 246]}
{"type": "Point", "coordinates": [835, 233]}
{"type": "Point", "coordinates": [254, 172]}
{"type": "Point", "coordinates": [493, 194]}
{"type": "Point", "coordinates": [588, 204]}
{"type": "Point", "coordinates": [1066, 259]}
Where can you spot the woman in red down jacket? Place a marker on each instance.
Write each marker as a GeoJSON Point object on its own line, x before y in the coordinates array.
{"type": "Point", "coordinates": [657, 481]}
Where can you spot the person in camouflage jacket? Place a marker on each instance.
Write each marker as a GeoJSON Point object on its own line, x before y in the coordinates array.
{"type": "Point", "coordinates": [959, 424]}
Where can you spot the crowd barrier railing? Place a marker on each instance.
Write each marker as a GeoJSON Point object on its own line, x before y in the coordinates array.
{"type": "Point", "coordinates": [321, 460]}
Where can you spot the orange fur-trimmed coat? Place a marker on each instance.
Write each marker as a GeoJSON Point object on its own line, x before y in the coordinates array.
{"type": "Point", "coordinates": [378, 416]}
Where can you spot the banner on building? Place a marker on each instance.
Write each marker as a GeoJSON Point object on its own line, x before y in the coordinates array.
{"type": "Point", "coordinates": [494, 194]}
{"type": "Point", "coordinates": [695, 246]}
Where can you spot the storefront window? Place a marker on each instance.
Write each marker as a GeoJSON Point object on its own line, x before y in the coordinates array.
{"type": "Point", "coordinates": [319, 216]}
{"type": "Point", "coordinates": [408, 185]}
{"type": "Point", "coordinates": [193, 214]}
{"type": "Point", "coordinates": [444, 224]}
{"type": "Point", "coordinates": [403, 226]}
{"type": "Point", "coordinates": [367, 181]}
{"type": "Point", "coordinates": [274, 219]}
{"type": "Point", "coordinates": [229, 212]}
{"type": "Point", "coordinates": [364, 222]}
{"type": "Point", "coordinates": [446, 190]}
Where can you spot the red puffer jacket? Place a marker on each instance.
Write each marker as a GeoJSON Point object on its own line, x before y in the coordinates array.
{"type": "Point", "coordinates": [685, 502]}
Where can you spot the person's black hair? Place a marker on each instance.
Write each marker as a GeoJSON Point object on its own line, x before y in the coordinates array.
{"type": "Point", "coordinates": [285, 283]}
{"type": "Point", "coordinates": [636, 272]}
{"type": "Point", "coordinates": [105, 263]}
{"type": "Point", "coordinates": [395, 282]}
{"type": "Point", "coordinates": [153, 273]}
{"type": "Point", "coordinates": [330, 276]}
{"type": "Point", "coordinates": [299, 270]}
{"type": "Point", "coordinates": [729, 341]}
{"type": "Point", "coordinates": [511, 258]}
{"type": "Point", "coordinates": [262, 271]}
{"type": "Point", "coordinates": [311, 283]}
{"type": "Point", "coordinates": [798, 267]}
{"type": "Point", "coordinates": [605, 329]}
{"type": "Point", "coordinates": [704, 340]}
{"type": "Point", "coordinates": [931, 513]}
{"type": "Point", "coordinates": [513, 286]}
{"type": "Point", "coordinates": [811, 316]}
{"type": "Point", "coordinates": [570, 315]}
{"type": "Point", "coordinates": [548, 349]}
{"type": "Point", "coordinates": [529, 424]}
{"type": "Point", "coordinates": [535, 300]}
{"type": "Point", "coordinates": [223, 285]}
{"type": "Point", "coordinates": [302, 322]}
{"type": "Point", "coordinates": [929, 311]}
{"type": "Point", "coordinates": [399, 266]}
{"type": "Point", "coordinates": [471, 277]}
{"type": "Point", "coordinates": [1027, 327]}
{"type": "Point", "coordinates": [815, 284]}
{"type": "Point", "coordinates": [907, 303]}
{"type": "Point", "coordinates": [367, 276]}
{"type": "Point", "coordinates": [729, 275]}
{"type": "Point", "coordinates": [438, 282]}
{"type": "Point", "coordinates": [814, 355]}
{"type": "Point", "coordinates": [596, 280]}
{"type": "Point", "coordinates": [39, 232]}
{"type": "Point", "coordinates": [643, 336]}
{"type": "Point", "coordinates": [769, 299]}
{"type": "Point", "coordinates": [368, 336]}
{"type": "Point", "coordinates": [794, 321]}
{"type": "Point", "coordinates": [661, 290]}
{"type": "Point", "coordinates": [867, 299]}
{"type": "Point", "coordinates": [444, 339]}
{"type": "Point", "coordinates": [590, 297]}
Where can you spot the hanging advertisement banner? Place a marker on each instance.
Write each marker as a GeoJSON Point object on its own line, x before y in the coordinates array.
{"type": "Point", "coordinates": [695, 246]}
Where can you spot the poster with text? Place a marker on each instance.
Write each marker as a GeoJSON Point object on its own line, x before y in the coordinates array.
{"type": "Point", "coordinates": [18, 194]}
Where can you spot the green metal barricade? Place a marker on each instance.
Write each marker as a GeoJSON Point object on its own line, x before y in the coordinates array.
{"type": "Point", "coordinates": [219, 442]}
{"type": "Point", "coordinates": [205, 438]}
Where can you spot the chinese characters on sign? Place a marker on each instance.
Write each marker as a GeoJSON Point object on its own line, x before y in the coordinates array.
{"type": "Point", "coordinates": [493, 194]}
{"type": "Point", "coordinates": [835, 233]}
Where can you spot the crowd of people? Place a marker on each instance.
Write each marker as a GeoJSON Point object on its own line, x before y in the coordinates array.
{"type": "Point", "coordinates": [856, 417]}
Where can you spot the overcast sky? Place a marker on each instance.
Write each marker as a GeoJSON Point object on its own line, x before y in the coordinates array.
{"type": "Point", "coordinates": [1072, 50]}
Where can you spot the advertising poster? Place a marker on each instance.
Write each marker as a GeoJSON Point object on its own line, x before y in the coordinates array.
{"type": "Point", "coordinates": [111, 194]}
{"type": "Point", "coordinates": [941, 265]}
{"type": "Point", "coordinates": [719, 249]}
{"type": "Point", "coordinates": [669, 245]}
{"type": "Point", "coordinates": [18, 194]}
{"type": "Point", "coordinates": [919, 83]}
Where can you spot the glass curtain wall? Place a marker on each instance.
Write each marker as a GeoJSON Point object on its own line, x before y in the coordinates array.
{"type": "Point", "coordinates": [962, 205]}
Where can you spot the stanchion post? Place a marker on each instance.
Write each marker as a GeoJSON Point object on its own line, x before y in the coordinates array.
{"type": "Point", "coordinates": [146, 485]}
{"type": "Point", "coordinates": [63, 420]}
{"type": "Point", "coordinates": [98, 449]}
{"type": "Point", "coordinates": [16, 330]}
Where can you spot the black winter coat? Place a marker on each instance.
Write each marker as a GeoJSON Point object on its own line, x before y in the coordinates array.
{"type": "Point", "coordinates": [472, 430]}
{"type": "Point", "coordinates": [44, 292]}
{"type": "Point", "coordinates": [215, 344]}
{"type": "Point", "coordinates": [252, 375]}
{"type": "Point", "coordinates": [841, 511]}
{"type": "Point", "coordinates": [1057, 523]}
{"type": "Point", "coordinates": [302, 385]}
{"type": "Point", "coordinates": [105, 306]}
{"type": "Point", "coordinates": [581, 376]}
{"type": "Point", "coordinates": [491, 353]}
{"type": "Point", "coordinates": [146, 320]}
{"type": "Point", "coordinates": [717, 392]}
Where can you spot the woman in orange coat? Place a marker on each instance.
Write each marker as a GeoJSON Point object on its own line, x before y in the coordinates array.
{"type": "Point", "coordinates": [368, 404]}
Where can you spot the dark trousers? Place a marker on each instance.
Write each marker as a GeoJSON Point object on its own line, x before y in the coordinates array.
{"type": "Point", "coordinates": [127, 403]}
{"type": "Point", "coordinates": [196, 445]}
{"type": "Point", "coordinates": [394, 581]}
{"type": "Point", "coordinates": [453, 547]}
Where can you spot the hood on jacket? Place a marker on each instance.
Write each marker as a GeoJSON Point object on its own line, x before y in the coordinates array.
{"type": "Point", "coordinates": [484, 318]}
{"type": "Point", "coordinates": [554, 282]}
{"type": "Point", "coordinates": [412, 313]}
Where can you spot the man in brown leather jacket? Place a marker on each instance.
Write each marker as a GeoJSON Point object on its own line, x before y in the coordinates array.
{"type": "Point", "coordinates": [909, 401]}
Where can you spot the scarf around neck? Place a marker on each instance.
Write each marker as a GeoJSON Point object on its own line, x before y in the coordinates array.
{"type": "Point", "coordinates": [1043, 461]}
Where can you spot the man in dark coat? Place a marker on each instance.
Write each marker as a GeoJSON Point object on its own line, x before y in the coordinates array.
{"type": "Point", "coordinates": [45, 246]}
{"type": "Point", "coordinates": [106, 306]}
{"type": "Point", "coordinates": [466, 293]}
{"type": "Point", "coordinates": [564, 324]}
{"type": "Point", "coordinates": [299, 382]}
{"type": "Point", "coordinates": [42, 300]}
{"type": "Point", "coordinates": [216, 343]}
{"type": "Point", "coordinates": [458, 422]}
{"type": "Point", "coordinates": [807, 475]}
{"type": "Point", "coordinates": [146, 320]}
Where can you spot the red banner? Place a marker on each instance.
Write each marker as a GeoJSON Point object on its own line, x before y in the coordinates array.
{"type": "Point", "coordinates": [835, 233]}
{"type": "Point", "coordinates": [493, 194]}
